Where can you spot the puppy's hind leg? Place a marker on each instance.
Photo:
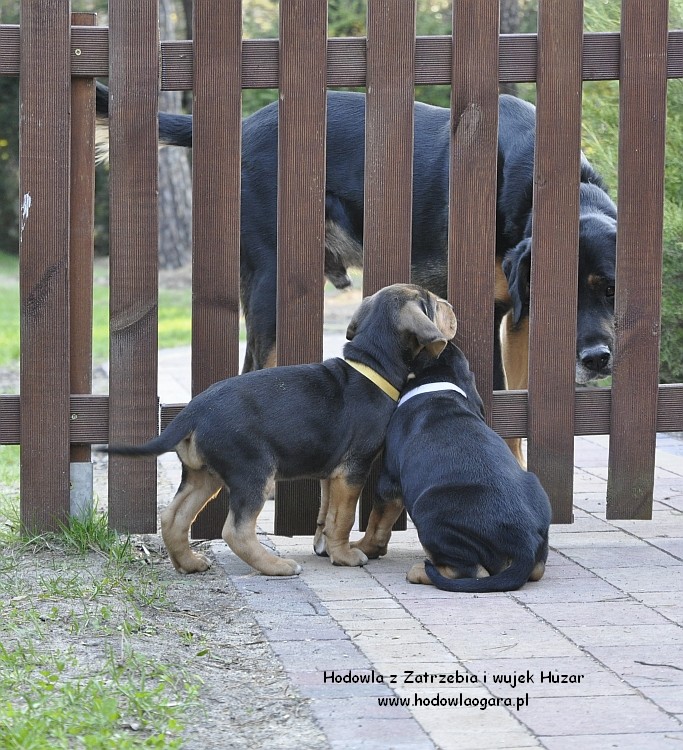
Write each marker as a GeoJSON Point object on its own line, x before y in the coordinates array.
{"type": "Point", "coordinates": [239, 533]}
{"type": "Point", "coordinates": [382, 519]}
{"type": "Point", "coordinates": [319, 539]}
{"type": "Point", "coordinates": [197, 488]}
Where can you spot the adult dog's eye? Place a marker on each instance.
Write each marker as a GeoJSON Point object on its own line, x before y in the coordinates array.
{"type": "Point", "coordinates": [609, 292]}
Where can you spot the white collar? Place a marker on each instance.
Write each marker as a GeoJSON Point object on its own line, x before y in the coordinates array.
{"type": "Point", "coordinates": [431, 388]}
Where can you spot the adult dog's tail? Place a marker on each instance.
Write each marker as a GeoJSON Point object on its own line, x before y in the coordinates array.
{"type": "Point", "coordinates": [174, 130]}
{"type": "Point", "coordinates": [510, 579]}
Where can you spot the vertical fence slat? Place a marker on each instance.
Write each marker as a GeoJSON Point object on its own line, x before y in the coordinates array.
{"type": "Point", "coordinates": [554, 263]}
{"type": "Point", "coordinates": [44, 133]}
{"type": "Point", "coordinates": [389, 115]}
{"type": "Point", "coordinates": [472, 214]}
{"type": "Point", "coordinates": [301, 218]}
{"type": "Point", "coordinates": [216, 129]}
{"type": "Point", "coordinates": [81, 234]}
{"type": "Point", "coordinates": [133, 261]}
{"type": "Point", "coordinates": [387, 228]}
{"type": "Point", "coordinates": [642, 128]}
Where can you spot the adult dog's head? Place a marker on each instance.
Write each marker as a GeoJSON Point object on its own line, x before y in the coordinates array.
{"type": "Point", "coordinates": [596, 279]}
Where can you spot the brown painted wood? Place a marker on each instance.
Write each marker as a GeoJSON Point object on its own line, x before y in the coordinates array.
{"type": "Point", "coordinates": [133, 259]}
{"type": "Point", "coordinates": [472, 205]}
{"type": "Point", "coordinates": [346, 58]}
{"type": "Point", "coordinates": [639, 258]}
{"type": "Point", "coordinates": [555, 252]}
{"type": "Point", "coordinates": [216, 129]}
{"type": "Point", "coordinates": [387, 229]}
{"type": "Point", "coordinates": [301, 219]}
{"type": "Point", "coordinates": [592, 406]}
{"type": "Point", "coordinates": [44, 133]}
{"type": "Point", "coordinates": [81, 232]}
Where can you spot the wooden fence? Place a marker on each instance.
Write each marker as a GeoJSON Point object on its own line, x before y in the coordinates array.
{"type": "Point", "coordinates": [55, 418]}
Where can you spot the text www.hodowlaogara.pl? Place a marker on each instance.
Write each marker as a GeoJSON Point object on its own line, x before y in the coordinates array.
{"type": "Point", "coordinates": [514, 680]}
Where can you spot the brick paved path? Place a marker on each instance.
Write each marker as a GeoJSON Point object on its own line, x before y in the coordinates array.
{"type": "Point", "coordinates": [596, 647]}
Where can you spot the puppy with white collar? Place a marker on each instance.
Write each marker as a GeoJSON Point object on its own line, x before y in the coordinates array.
{"type": "Point", "coordinates": [482, 520]}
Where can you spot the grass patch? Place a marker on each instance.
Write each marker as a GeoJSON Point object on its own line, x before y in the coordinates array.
{"type": "Point", "coordinates": [174, 313]}
{"type": "Point", "coordinates": [79, 666]}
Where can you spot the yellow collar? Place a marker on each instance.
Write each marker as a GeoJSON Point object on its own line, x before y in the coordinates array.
{"type": "Point", "coordinates": [382, 383]}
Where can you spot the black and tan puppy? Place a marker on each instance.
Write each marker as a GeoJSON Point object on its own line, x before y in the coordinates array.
{"type": "Point", "coordinates": [482, 520]}
{"type": "Point", "coordinates": [324, 421]}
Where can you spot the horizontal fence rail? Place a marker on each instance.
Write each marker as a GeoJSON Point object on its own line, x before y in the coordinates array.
{"type": "Point", "coordinates": [346, 58]}
{"type": "Point", "coordinates": [592, 408]}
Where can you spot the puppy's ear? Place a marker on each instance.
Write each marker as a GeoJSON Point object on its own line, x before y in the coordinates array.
{"type": "Point", "coordinates": [517, 269]}
{"type": "Point", "coordinates": [432, 336]}
{"type": "Point", "coordinates": [361, 313]}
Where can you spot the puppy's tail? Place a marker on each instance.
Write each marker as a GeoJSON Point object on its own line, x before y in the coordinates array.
{"type": "Point", "coordinates": [174, 130]}
{"type": "Point", "coordinates": [510, 579]}
{"type": "Point", "coordinates": [177, 430]}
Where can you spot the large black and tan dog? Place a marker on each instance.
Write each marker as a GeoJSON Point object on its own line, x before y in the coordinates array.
{"type": "Point", "coordinates": [324, 421]}
{"type": "Point", "coordinates": [482, 520]}
{"type": "Point", "coordinates": [344, 225]}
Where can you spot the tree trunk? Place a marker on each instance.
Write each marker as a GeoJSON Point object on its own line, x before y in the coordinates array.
{"type": "Point", "coordinates": [175, 176]}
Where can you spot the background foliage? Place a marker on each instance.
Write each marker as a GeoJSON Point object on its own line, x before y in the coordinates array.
{"type": "Point", "coordinates": [347, 18]}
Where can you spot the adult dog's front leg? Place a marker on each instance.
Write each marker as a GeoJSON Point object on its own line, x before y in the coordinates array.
{"type": "Point", "coordinates": [378, 533]}
{"type": "Point", "coordinates": [515, 349]}
{"type": "Point", "coordinates": [341, 514]}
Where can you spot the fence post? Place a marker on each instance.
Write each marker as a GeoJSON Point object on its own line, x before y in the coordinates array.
{"type": "Point", "coordinates": [216, 129]}
{"type": "Point", "coordinates": [642, 129]}
{"type": "Point", "coordinates": [472, 215]}
{"type": "Point", "coordinates": [133, 259]}
{"type": "Point", "coordinates": [301, 217]}
{"type": "Point", "coordinates": [44, 126]}
{"type": "Point", "coordinates": [554, 265]}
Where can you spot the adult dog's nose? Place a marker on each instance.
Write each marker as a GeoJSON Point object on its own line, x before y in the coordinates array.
{"type": "Point", "coordinates": [596, 358]}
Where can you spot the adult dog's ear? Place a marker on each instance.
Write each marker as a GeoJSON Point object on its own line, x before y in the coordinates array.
{"type": "Point", "coordinates": [517, 269]}
{"type": "Point", "coordinates": [432, 336]}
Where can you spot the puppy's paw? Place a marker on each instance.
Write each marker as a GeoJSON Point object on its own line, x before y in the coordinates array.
{"type": "Point", "coordinates": [280, 566]}
{"type": "Point", "coordinates": [417, 574]}
{"type": "Point", "coordinates": [347, 556]}
{"type": "Point", "coordinates": [319, 543]}
{"type": "Point", "coordinates": [371, 549]}
{"type": "Point", "coordinates": [192, 563]}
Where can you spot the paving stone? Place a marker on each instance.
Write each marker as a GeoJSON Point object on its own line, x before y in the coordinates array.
{"type": "Point", "coordinates": [584, 676]}
{"type": "Point", "coordinates": [596, 715]}
{"type": "Point", "coordinates": [494, 639]}
{"type": "Point", "coordinates": [644, 665]}
{"type": "Point", "coordinates": [626, 612]}
{"type": "Point", "coordinates": [639, 741]}
{"type": "Point", "coordinates": [655, 578]}
{"type": "Point", "coordinates": [375, 734]}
